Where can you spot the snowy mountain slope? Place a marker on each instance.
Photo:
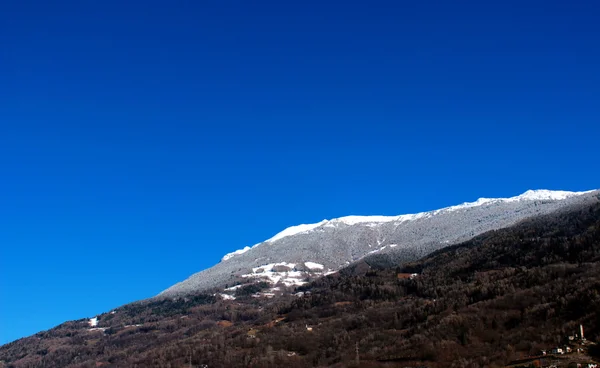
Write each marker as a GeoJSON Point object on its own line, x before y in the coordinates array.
{"type": "Point", "coordinates": [333, 244]}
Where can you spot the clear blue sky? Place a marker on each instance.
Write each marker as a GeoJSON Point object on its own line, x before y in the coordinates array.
{"type": "Point", "coordinates": [140, 142]}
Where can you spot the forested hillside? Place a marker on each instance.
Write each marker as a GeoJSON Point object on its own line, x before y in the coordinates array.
{"type": "Point", "coordinates": [502, 296]}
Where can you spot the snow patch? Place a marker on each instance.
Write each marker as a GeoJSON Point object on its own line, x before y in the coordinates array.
{"type": "Point", "coordinates": [236, 253]}
{"type": "Point", "coordinates": [314, 266]}
{"type": "Point", "coordinates": [293, 230]}
{"type": "Point", "coordinates": [93, 322]}
{"type": "Point", "coordinates": [354, 220]}
{"type": "Point", "coordinates": [233, 288]}
{"type": "Point", "coordinates": [288, 278]}
{"type": "Point", "coordinates": [269, 267]}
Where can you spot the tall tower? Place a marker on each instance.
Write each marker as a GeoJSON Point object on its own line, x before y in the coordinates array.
{"type": "Point", "coordinates": [581, 332]}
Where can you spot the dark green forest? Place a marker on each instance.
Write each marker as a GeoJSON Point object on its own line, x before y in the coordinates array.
{"type": "Point", "coordinates": [503, 296]}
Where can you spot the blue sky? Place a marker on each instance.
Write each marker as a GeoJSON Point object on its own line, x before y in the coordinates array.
{"type": "Point", "coordinates": [141, 142]}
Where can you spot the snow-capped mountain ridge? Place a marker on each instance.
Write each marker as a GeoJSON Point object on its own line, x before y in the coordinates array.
{"type": "Point", "coordinates": [337, 243]}
{"type": "Point", "coordinates": [530, 195]}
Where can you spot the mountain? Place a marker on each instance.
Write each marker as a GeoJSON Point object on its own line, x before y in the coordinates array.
{"type": "Point", "coordinates": [496, 300]}
{"type": "Point", "coordinates": [302, 252]}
